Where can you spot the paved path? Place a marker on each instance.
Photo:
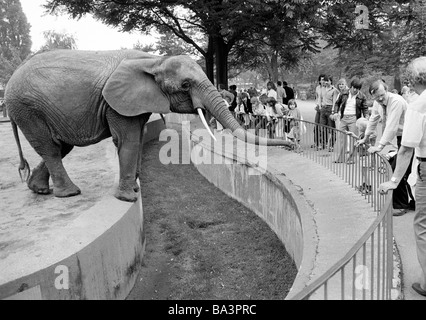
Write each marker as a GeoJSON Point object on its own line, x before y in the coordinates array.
{"type": "Point", "coordinates": [404, 236]}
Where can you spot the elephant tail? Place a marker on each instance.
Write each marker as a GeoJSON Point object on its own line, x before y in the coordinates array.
{"type": "Point", "coordinates": [24, 168]}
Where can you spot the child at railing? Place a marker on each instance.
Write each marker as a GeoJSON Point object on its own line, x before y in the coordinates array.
{"type": "Point", "coordinates": [273, 112]}
{"type": "Point", "coordinates": [368, 160]}
{"type": "Point", "coordinates": [259, 112]}
{"type": "Point", "coordinates": [293, 118]}
{"type": "Point", "coordinates": [245, 107]}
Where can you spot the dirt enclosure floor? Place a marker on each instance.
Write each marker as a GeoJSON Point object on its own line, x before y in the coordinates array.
{"type": "Point", "coordinates": [200, 243]}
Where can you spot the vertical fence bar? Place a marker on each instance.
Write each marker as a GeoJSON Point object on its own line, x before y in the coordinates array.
{"type": "Point", "coordinates": [353, 277]}
{"type": "Point", "coordinates": [372, 266]}
{"type": "Point", "coordinates": [326, 290]}
{"type": "Point", "coordinates": [384, 273]}
{"type": "Point", "coordinates": [390, 252]}
{"type": "Point", "coordinates": [378, 262]}
{"type": "Point", "coordinates": [364, 262]}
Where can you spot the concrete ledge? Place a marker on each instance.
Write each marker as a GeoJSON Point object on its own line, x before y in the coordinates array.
{"type": "Point", "coordinates": [98, 256]}
{"type": "Point", "coordinates": [95, 256]}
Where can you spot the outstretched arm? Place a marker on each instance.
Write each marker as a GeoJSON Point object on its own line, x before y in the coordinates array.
{"type": "Point", "coordinates": [402, 163]}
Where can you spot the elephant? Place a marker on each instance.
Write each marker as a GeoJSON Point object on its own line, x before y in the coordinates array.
{"type": "Point", "coordinates": [65, 98]}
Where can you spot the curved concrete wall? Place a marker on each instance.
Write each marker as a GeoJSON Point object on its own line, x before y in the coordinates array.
{"type": "Point", "coordinates": [273, 198]}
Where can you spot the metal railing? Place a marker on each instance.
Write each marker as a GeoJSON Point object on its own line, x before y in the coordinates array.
{"type": "Point", "coordinates": [366, 271]}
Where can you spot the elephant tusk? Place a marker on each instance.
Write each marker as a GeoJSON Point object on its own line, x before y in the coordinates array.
{"type": "Point", "coordinates": [203, 120]}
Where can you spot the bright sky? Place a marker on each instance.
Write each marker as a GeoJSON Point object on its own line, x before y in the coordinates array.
{"type": "Point", "coordinates": [88, 33]}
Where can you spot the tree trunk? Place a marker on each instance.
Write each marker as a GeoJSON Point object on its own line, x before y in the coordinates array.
{"type": "Point", "coordinates": [274, 67]}
{"type": "Point", "coordinates": [397, 81]}
{"type": "Point", "coordinates": [221, 56]}
{"type": "Point", "coordinates": [210, 60]}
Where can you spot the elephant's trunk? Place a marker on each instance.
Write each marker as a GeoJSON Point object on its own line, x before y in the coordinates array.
{"type": "Point", "coordinates": [211, 99]}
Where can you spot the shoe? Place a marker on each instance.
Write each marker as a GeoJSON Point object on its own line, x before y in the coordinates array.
{"type": "Point", "coordinates": [361, 188]}
{"type": "Point", "coordinates": [416, 287]}
{"type": "Point", "coordinates": [364, 189]}
{"type": "Point", "coordinates": [399, 212]}
{"type": "Point", "coordinates": [367, 189]}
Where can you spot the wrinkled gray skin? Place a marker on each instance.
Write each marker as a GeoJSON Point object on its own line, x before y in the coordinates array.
{"type": "Point", "coordinates": [66, 98]}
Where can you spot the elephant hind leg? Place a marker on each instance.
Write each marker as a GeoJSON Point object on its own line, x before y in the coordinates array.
{"type": "Point", "coordinates": [62, 184]}
{"type": "Point", "coordinates": [52, 151]}
{"type": "Point", "coordinates": [39, 179]}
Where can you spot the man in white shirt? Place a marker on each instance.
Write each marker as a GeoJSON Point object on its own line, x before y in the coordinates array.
{"type": "Point", "coordinates": [390, 108]}
{"type": "Point", "coordinates": [414, 138]}
{"type": "Point", "coordinates": [319, 92]}
{"type": "Point", "coordinates": [350, 105]}
{"type": "Point", "coordinates": [329, 97]}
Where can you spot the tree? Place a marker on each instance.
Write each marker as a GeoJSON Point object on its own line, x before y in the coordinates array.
{"type": "Point", "coordinates": [57, 40]}
{"type": "Point", "coordinates": [15, 40]}
{"type": "Point", "coordinates": [222, 22]}
{"type": "Point", "coordinates": [170, 45]}
{"type": "Point", "coordinates": [143, 16]}
{"type": "Point", "coordinates": [282, 39]}
{"type": "Point", "coordinates": [394, 36]}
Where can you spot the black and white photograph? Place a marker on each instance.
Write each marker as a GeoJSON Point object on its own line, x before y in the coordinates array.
{"type": "Point", "coordinates": [214, 157]}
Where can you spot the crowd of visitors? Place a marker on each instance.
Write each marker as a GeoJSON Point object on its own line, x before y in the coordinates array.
{"type": "Point", "coordinates": [403, 119]}
{"type": "Point", "coordinates": [345, 107]}
{"type": "Point", "coordinates": [268, 109]}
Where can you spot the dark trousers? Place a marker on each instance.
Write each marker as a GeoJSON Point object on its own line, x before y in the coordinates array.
{"type": "Point", "coordinates": [327, 135]}
{"type": "Point", "coordinates": [316, 129]}
{"type": "Point", "coordinates": [402, 195]}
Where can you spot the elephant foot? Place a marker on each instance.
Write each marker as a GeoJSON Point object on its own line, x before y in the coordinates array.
{"type": "Point", "coordinates": [39, 188]}
{"type": "Point", "coordinates": [127, 191]}
{"type": "Point", "coordinates": [129, 196]}
{"type": "Point", "coordinates": [70, 191]}
{"type": "Point", "coordinates": [39, 181]}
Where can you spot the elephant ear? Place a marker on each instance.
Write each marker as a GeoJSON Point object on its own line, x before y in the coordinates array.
{"type": "Point", "coordinates": [131, 89]}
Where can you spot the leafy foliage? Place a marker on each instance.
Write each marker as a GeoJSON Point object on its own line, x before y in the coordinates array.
{"type": "Point", "coordinates": [394, 37]}
{"type": "Point", "coordinates": [57, 40]}
{"type": "Point", "coordinates": [9, 65]}
{"type": "Point", "coordinates": [15, 41]}
{"type": "Point", "coordinates": [283, 38]}
{"type": "Point", "coordinates": [282, 28]}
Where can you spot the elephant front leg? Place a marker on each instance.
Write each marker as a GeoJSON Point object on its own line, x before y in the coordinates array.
{"type": "Point", "coordinates": [127, 134]}
{"type": "Point", "coordinates": [128, 157]}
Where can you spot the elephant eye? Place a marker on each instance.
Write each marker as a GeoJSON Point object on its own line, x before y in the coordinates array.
{"type": "Point", "coordinates": [186, 85]}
